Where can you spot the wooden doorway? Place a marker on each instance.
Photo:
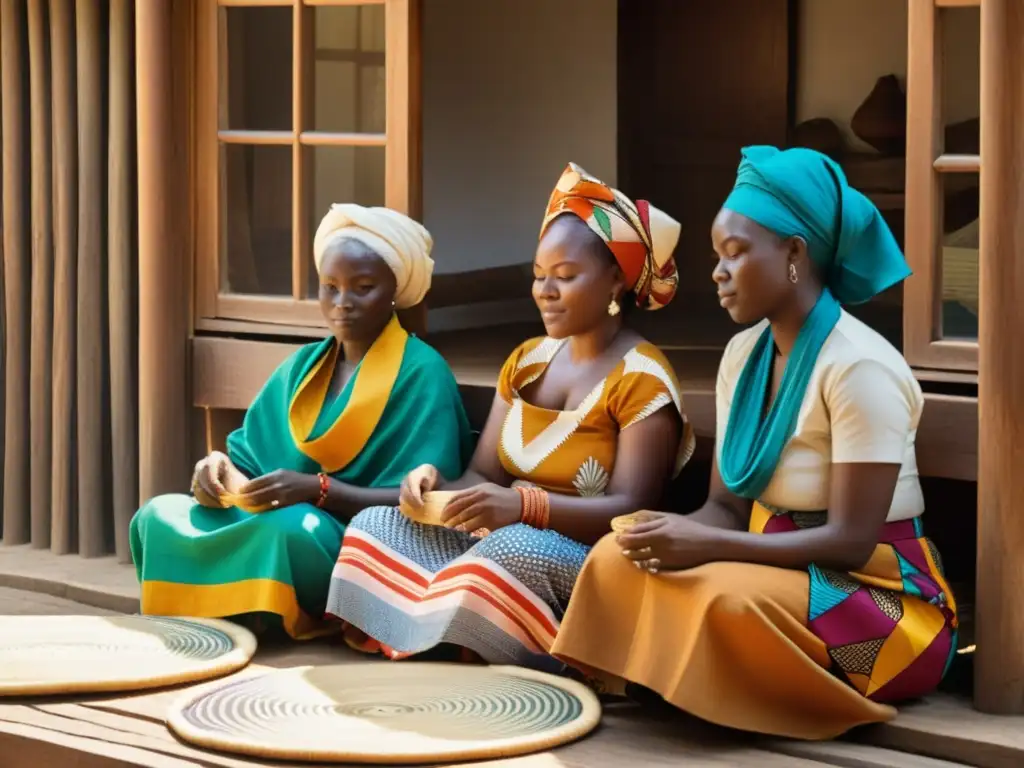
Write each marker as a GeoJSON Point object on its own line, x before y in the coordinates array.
{"type": "Point", "coordinates": [698, 80]}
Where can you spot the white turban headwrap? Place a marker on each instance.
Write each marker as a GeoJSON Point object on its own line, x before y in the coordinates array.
{"type": "Point", "coordinates": [404, 245]}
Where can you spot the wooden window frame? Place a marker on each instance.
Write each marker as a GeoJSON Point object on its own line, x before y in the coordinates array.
{"type": "Point", "coordinates": [927, 163]}
{"type": "Point", "coordinates": [296, 315]}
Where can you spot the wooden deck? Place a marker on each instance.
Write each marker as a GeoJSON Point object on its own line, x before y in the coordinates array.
{"type": "Point", "coordinates": [104, 731]}
{"type": "Point", "coordinates": [113, 732]}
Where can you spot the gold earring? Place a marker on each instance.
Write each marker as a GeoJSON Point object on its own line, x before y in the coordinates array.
{"type": "Point", "coordinates": [793, 277]}
{"type": "Point", "coordinates": [613, 308]}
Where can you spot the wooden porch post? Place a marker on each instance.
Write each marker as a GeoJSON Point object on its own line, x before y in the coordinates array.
{"type": "Point", "coordinates": [999, 667]}
{"type": "Point", "coordinates": [16, 273]}
{"type": "Point", "coordinates": [163, 290]}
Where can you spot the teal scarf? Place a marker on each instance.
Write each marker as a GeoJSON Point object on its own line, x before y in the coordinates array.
{"type": "Point", "coordinates": [753, 444]}
{"type": "Point", "coordinates": [800, 192]}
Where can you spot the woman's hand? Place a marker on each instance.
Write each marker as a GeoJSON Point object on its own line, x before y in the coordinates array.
{"type": "Point", "coordinates": [280, 488]}
{"type": "Point", "coordinates": [669, 543]}
{"type": "Point", "coordinates": [210, 479]}
{"type": "Point", "coordinates": [487, 506]}
{"type": "Point", "coordinates": [421, 480]}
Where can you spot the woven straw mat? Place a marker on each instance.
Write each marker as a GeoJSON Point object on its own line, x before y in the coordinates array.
{"type": "Point", "coordinates": [384, 713]}
{"type": "Point", "coordinates": [42, 655]}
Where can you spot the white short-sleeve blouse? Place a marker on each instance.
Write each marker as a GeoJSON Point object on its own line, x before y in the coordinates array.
{"type": "Point", "coordinates": [863, 405]}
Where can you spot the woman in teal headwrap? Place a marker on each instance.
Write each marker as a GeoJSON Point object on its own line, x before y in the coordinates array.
{"type": "Point", "coordinates": [843, 609]}
{"type": "Point", "coordinates": [335, 429]}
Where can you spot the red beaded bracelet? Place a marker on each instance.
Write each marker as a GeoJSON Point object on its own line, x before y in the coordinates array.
{"type": "Point", "coordinates": [325, 484]}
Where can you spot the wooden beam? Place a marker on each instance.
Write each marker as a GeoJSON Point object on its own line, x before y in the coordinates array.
{"type": "Point", "coordinates": [121, 282]}
{"type": "Point", "coordinates": [41, 389]}
{"type": "Point", "coordinates": [999, 663]}
{"type": "Point", "coordinates": [957, 163]}
{"type": "Point", "coordinates": [17, 268]}
{"type": "Point", "coordinates": [947, 437]}
{"type": "Point", "coordinates": [163, 321]}
{"type": "Point", "coordinates": [227, 374]}
{"type": "Point", "coordinates": [65, 292]}
{"type": "Point", "coordinates": [91, 405]}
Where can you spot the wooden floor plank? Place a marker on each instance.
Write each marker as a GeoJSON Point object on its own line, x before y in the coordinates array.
{"type": "Point", "coordinates": [847, 755]}
{"type": "Point", "coordinates": [100, 582]}
{"type": "Point", "coordinates": [17, 602]}
{"type": "Point", "coordinates": [157, 743]}
{"type": "Point", "coordinates": [949, 727]}
{"type": "Point", "coordinates": [26, 746]}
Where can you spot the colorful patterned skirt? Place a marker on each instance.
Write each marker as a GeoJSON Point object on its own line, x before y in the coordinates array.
{"type": "Point", "coordinates": [402, 588]}
{"type": "Point", "coordinates": [806, 654]}
{"type": "Point", "coordinates": [265, 570]}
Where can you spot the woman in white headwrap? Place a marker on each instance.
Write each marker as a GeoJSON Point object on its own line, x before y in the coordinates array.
{"type": "Point", "coordinates": [401, 243]}
{"type": "Point", "coordinates": [335, 429]}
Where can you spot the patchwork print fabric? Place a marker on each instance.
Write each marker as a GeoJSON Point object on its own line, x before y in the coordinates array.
{"type": "Point", "coordinates": [890, 628]}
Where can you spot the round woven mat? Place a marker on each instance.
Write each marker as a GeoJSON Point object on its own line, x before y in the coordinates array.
{"type": "Point", "coordinates": [387, 713]}
{"type": "Point", "coordinates": [42, 655]}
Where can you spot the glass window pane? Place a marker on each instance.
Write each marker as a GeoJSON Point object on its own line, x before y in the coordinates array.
{"type": "Point", "coordinates": [960, 256]}
{"type": "Point", "coordinates": [257, 87]}
{"type": "Point", "coordinates": [348, 69]}
{"type": "Point", "coordinates": [336, 28]}
{"type": "Point", "coordinates": [256, 195]}
{"type": "Point", "coordinates": [372, 115]}
{"type": "Point", "coordinates": [371, 25]}
{"type": "Point", "coordinates": [960, 48]}
{"type": "Point", "coordinates": [334, 95]}
{"type": "Point", "coordinates": [341, 175]}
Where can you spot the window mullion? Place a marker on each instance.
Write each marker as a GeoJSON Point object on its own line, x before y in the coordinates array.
{"type": "Point", "coordinates": [923, 209]}
{"type": "Point", "coordinates": [946, 163]}
{"type": "Point", "coordinates": [300, 237]}
{"type": "Point", "coordinates": [402, 73]}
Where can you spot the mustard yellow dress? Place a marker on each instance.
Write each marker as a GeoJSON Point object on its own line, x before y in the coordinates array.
{"type": "Point", "coordinates": [801, 653]}
{"type": "Point", "coordinates": [403, 588]}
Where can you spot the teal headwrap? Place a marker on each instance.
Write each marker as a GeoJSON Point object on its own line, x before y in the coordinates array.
{"type": "Point", "coordinates": [800, 192]}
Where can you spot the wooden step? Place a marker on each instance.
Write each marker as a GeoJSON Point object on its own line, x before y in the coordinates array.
{"type": "Point", "coordinates": [847, 755]}
{"type": "Point", "coordinates": [949, 728]}
{"type": "Point", "coordinates": [101, 582]}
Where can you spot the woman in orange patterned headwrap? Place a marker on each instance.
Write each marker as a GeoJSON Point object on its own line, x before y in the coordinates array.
{"type": "Point", "coordinates": [587, 424]}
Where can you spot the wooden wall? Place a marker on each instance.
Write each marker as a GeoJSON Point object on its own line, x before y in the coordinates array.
{"type": "Point", "coordinates": [70, 457]}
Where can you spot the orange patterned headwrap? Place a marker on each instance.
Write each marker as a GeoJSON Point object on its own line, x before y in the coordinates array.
{"type": "Point", "coordinates": [641, 237]}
